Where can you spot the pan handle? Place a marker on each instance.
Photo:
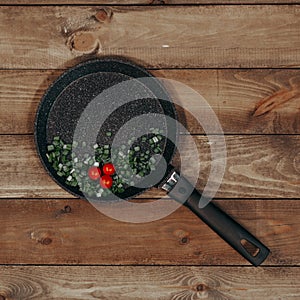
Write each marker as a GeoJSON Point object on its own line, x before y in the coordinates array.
{"type": "Point", "coordinates": [229, 230]}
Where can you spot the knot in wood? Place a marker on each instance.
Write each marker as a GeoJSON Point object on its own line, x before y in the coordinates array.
{"type": "Point", "coordinates": [46, 241]}
{"type": "Point", "coordinates": [184, 240]}
{"type": "Point", "coordinates": [67, 209]}
{"type": "Point", "coordinates": [84, 42]}
{"type": "Point", "coordinates": [201, 287]}
{"type": "Point", "coordinates": [103, 15]}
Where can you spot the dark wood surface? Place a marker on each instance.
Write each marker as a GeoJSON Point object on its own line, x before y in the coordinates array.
{"type": "Point", "coordinates": [71, 231]}
{"type": "Point", "coordinates": [244, 60]}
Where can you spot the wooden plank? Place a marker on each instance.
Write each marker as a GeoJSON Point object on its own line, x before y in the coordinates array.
{"type": "Point", "coordinates": [179, 36]}
{"type": "Point", "coordinates": [141, 2]}
{"type": "Point", "coordinates": [233, 95]}
{"type": "Point", "coordinates": [264, 166]}
{"type": "Point", "coordinates": [20, 94]}
{"type": "Point", "coordinates": [72, 231]}
{"type": "Point", "coordinates": [147, 283]}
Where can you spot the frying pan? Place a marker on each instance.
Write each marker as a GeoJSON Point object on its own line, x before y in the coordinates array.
{"type": "Point", "coordinates": [66, 99]}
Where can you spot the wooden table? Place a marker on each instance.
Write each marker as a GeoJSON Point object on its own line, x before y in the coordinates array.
{"type": "Point", "coordinates": [244, 59]}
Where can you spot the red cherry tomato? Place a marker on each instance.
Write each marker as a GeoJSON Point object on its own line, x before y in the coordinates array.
{"type": "Point", "coordinates": [109, 169]}
{"type": "Point", "coordinates": [106, 181]}
{"type": "Point", "coordinates": [94, 173]}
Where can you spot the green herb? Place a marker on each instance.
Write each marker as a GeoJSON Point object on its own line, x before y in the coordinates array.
{"type": "Point", "coordinates": [74, 170]}
{"type": "Point", "coordinates": [50, 147]}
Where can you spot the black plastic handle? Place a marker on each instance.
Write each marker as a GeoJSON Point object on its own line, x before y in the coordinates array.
{"type": "Point", "coordinates": [232, 232]}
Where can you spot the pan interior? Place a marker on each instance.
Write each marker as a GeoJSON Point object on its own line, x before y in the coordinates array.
{"type": "Point", "coordinates": [67, 109]}
{"type": "Point", "coordinates": [70, 104]}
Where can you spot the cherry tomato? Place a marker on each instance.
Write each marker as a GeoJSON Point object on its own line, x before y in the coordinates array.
{"type": "Point", "coordinates": [106, 181]}
{"type": "Point", "coordinates": [94, 173]}
{"type": "Point", "coordinates": [109, 169]}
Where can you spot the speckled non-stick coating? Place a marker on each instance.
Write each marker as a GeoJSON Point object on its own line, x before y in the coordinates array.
{"type": "Point", "coordinates": [69, 105]}
{"type": "Point", "coordinates": [64, 102]}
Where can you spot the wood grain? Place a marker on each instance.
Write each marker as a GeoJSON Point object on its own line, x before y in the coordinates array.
{"type": "Point", "coordinates": [141, 2]}
{"type": "Point", "coordinates": [147, 283]}
{"type": "Point", "coordinates": [167, 37]}
{"type": "Point", "coordinates": [73, 232]}
{"type": "Point", "coordinates": [177, 257]}
{"type": "Point", "coordinates": [233, 95]}
{"type": "Point", "coordinates": [257, 167]}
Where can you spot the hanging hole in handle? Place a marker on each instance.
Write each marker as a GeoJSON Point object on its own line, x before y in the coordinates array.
{"type": "Point", "coordinates": [250, 248]}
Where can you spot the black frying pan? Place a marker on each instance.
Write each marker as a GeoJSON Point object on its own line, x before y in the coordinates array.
{"type": "Point", "coordinates": [61, 108]}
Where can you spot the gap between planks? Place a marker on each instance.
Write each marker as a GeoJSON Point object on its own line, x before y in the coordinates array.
{"type": "Point", "coordinates": [149, 3]}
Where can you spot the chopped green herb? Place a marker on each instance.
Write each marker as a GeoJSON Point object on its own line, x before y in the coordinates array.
{"type": "Point", "coordinates": [136, 161]}
{"type": "Point", "coordinates": [50, 147]}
